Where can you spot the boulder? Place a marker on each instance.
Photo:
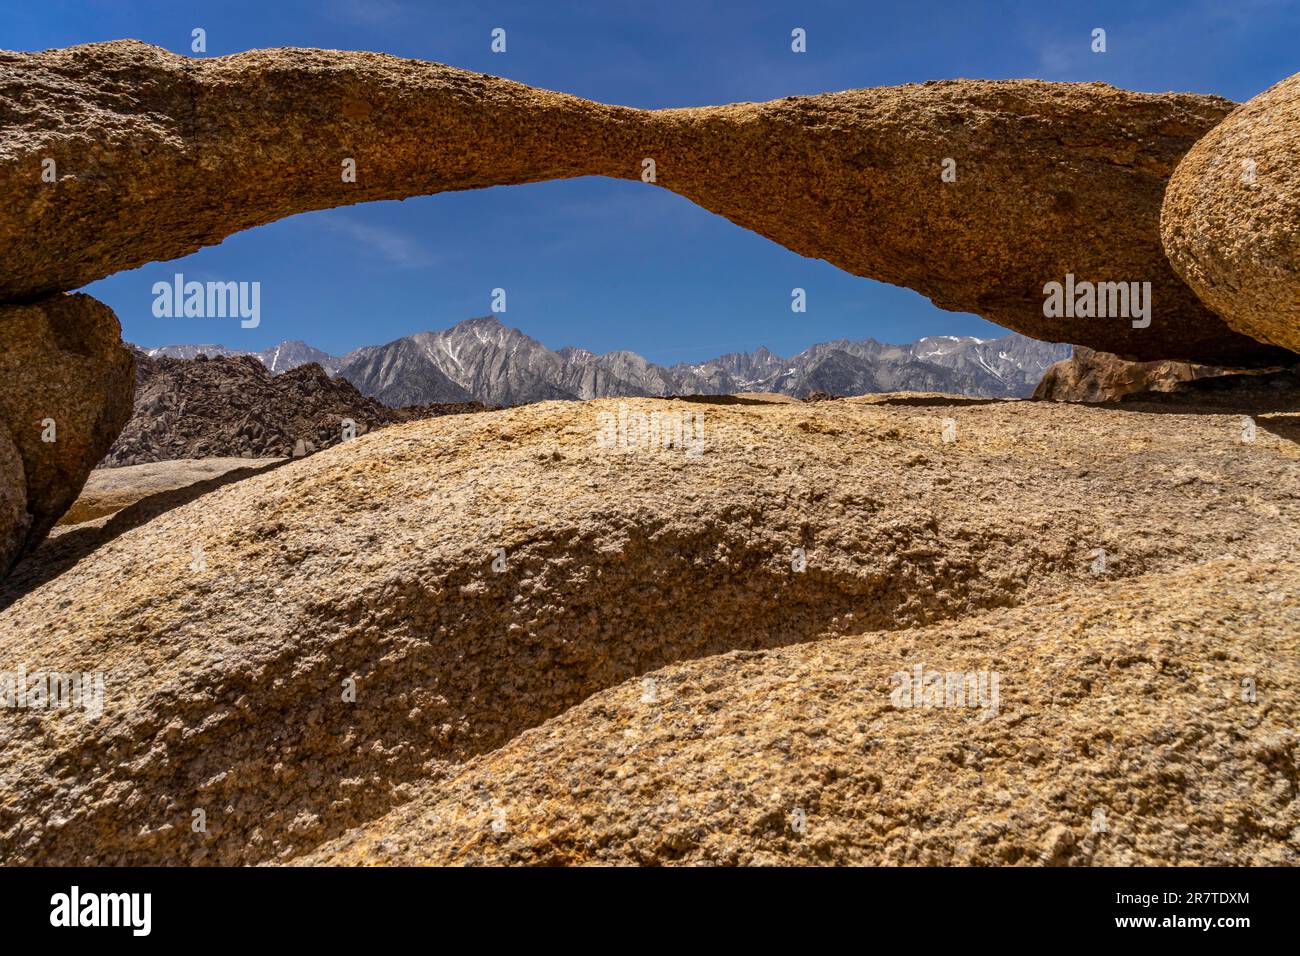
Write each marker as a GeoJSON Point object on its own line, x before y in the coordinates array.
{"type": "Point", "coordinates": [1090, 376]}
{"type": "Point", "coordinates": [66, 384]}
{"type": "Point", "coordinates": [152, 155]}
{"type": "Point", "coordinates": [1231, 218]}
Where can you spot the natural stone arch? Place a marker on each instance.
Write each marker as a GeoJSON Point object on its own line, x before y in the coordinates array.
{"type": "Point", "coordinates": [158, 155]}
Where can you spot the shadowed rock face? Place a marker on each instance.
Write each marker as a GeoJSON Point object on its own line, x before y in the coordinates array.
{"type": "Point", "coordinates": [707, 762]}
{"type": "Point", "coordinates": [158, 155]}
{"type": "Point", "coordinates": [14, 520]}
{"type": "Point", "coordinates": [1231, 220]}
{"type": "Point", "coordinates": [63, 362]}
{"type": "Point", "coordinates": [1088, 376]}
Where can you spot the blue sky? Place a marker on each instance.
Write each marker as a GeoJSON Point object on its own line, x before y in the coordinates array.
{"type": "Point", "coordinates": [621, 265]}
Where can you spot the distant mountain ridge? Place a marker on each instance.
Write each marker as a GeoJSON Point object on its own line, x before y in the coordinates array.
{"type": "Point", "coordinates": [483, 360]}
{"type": "Point", "coordinates": [278, 358]}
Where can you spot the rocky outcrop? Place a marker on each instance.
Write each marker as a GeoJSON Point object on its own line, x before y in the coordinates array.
{"type": "Point", "coordinates": [1089, 376]}
{"type": "Point", "coordinates": [1231, 219]}
{"type": "Point", "coordinates": [1121, 731]}
{"type": "Point", "coordinates": [157, 155]}
{"type": "Point", "coordinates": [236, 407]}
{"type": "Point", "coordinates": [1051, 180]}
{"type": "Point", "coordinates": [65, 392]}
{"type": "Point", "coordinates": [300, 652]}
{"type": "Point", "coordinates": [1251, 393]}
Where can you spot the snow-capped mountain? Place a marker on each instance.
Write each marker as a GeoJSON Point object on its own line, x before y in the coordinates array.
{"type": "Point", "coordinates": [278, 358]}
{"type": "Point", "coordinates": [483, 360]}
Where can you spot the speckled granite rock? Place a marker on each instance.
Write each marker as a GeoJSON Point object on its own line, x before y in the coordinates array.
{"type": "Point", "coordinates": [64, 375]}
{"type": "Point", "coordinates": [158, 155]}
{"type": "Point", "coordinates": [1145, 722]}
{"type": "Point", "coordinates": [1231, 220]}
{"type": "Point", "coordinates": [476, 575]}
{"type": "Point", "coordinates": [1051, 179]}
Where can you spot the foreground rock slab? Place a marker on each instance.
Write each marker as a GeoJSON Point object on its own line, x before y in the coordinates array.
{"type": "Point", "coordinates": [1127, 726]}
{"type": "Point", "coordinates": [1051, 180]}
{"type": "Point", "coordinates": [298, 653]}
{"type": "Point", "coordinates": [109, 490]}
{"type": "Point", "coordinates": [1231, 221]}
{"type": "Point", "coordinates": [66, 385]}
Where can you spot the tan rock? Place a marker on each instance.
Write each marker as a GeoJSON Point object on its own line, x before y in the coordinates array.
{"type": "Point", "coordinates": [1231, 220]}
{"type": "Point", "coordinates": [1091, 376]}
{"type": "Point", "coordinates": [1112, 728]}
{"type": "Point", "coordinates": [1051, 179]}
{"type": "Point", "coordinates": [109, 490]}
{"type": "Point", "coordinates": [477, 575]}
{"type": "Point", "coordinates": [66, 383]}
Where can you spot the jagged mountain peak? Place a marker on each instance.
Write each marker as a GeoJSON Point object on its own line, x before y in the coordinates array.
{"type": "Point", "coordinates": [483, 359]}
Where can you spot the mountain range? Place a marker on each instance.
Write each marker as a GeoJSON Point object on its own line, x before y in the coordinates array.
{"type": "Point", "coordinates": [483, 360]}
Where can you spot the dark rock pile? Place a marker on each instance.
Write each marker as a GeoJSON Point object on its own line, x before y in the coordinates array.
{"type": "Point", "coordinates": [234, 407]}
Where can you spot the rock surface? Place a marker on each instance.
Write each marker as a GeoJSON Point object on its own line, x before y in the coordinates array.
{"type": "Point", "coordinates": [1051, 179]}
{"type": "Point", "coordinates": [1122, 735]}
{"type": "Point", "coordinates": [236, 407]}
{"type": "Point", "coordinates": [14, 519]}
{"type": "Point", "coordinates": [1231, 219]}
{"type": "Point", "coordinates": [65, 376]}
{"type": "Point", "coordinates": [1090, 376]}
{"type": "Point", "coordinates": [109, 490]}
{"type": "Point", "coordinates": [476, 575]}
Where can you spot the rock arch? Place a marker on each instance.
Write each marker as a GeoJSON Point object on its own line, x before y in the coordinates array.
{"type": "Point", "coordinates": [158, 155]}
{"type": "Point", "coordinates": [974, 193]}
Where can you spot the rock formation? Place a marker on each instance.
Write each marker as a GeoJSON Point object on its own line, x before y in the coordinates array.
{"type": "Point", "coordinates": [302, 651]}
{"type": "Point", "coordinates": [109, 490]}
{"type": "Point", "coordinates": [236, 407]}
{"type": "Point", "coordinates": [65, 392]}
{"type": "Point", "coordinates": [1120, 737]}
{"type": "Point", "coordinates": [155, 155]}
{"type": "Point", "coordinates": [1231, 219]}
{"type": "Point", "coordinates": [1090, 376]}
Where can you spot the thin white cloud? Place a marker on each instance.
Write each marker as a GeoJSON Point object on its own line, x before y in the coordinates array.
{"type": "Point", "coordinates": [394, 248]}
